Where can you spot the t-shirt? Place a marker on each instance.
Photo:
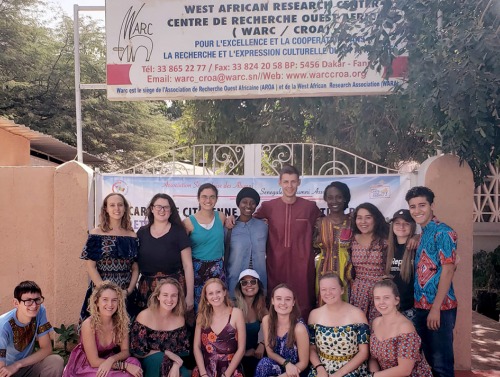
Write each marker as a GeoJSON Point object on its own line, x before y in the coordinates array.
{"type": "Point", "coordinates": [438, 246]}
{"type": "Point", "coordinates": [406, 290]}
{"type": "Point", "coordinates": [162, 254]}
{"type": "Point", "coordinates": [17, 340]}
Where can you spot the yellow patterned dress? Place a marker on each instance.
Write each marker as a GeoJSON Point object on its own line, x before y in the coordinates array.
{"type": "Point", "coordinates": [337, 345]}
{"type": "Point", "coordinates": [333, 241]}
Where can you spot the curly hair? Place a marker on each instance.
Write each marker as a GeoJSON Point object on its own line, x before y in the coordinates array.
{"type": "Point", "coordinates": [380, 229]}
{"type": "Point", "coordinates": [120, 318]}
{"type": "Point", "coordinates": [125, 223]}
{"type": "Point", "coordinates": [174, 217]}
{"type": "Point", "coordinates": [258, 303]}
{"type": "Point", "coordinates": [417, 191]}
{"type": "Point", "coordinates": [154, 299]}
{"type": "Point", "coordinates": [205, 310]}
{"type": "Point", "coordinates": [273, 320]}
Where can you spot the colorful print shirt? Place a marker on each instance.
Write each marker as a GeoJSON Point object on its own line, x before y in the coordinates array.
{"type": "Point", "coordinates": [17, 340]}
{"type": "Point", "coordinates": [438, 246]}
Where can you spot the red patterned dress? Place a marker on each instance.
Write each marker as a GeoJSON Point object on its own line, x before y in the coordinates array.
{"type": "Point", "coordinates": [403, 346]}
{"type": "Point", "coordinates": [369, 267]}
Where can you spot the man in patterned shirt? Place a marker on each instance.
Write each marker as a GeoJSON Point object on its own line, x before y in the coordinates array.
{"type": "Point", "coordinates": [435, 300]}
{"type": "Point", "coordinates": [19, 329]}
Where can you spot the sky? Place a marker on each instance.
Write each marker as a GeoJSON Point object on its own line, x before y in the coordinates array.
{"type": "Point", "coordinates": [67, 6]}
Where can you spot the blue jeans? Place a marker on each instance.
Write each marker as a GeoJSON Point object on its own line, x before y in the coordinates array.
{"type": "Point", "coordinates": [438, 345]}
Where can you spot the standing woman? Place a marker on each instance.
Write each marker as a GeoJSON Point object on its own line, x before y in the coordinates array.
{"type": "Point", "coordinates": [285, 337]}
{"type": "Point", "coordinates": [103, 349]}
{"type": "Point", "coordinates": [250, 298]}
{"type": "Point", "coordinates": [159, 335]}
{"type": "Point", "coordinates": [206, 231]}
{"type": "Point", "coordinates": [111, 249]}
{"type": "Point", "coordinates": [247, 241]}
{"type": "Point", "coordinates": [219, 337]}
{"type": "Point", "coordinates": [165, 250]}
{"type": "Point", "coordinates": [368, 254]}
{"type": "Point", "coordinates": [333, 235]}
{"type": "Point", "coordinates": [395, 346]}
{"type": "Point", "coordinates": [339, 334]}
{"type": "Point", "coordinates": [400, 259]}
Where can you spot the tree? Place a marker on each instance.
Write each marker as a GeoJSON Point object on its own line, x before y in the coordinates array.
{"type": "Point", "coordinates": [452, 95]}
{"type": "Point", "coordinates": [37, 87]}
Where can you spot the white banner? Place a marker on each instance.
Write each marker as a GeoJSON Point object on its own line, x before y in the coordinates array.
{"type": "Point", "coordinates": [385, 191]}
{"type": "Point", "coordinates": [185, 49]}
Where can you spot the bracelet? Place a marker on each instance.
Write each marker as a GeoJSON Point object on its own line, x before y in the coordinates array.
{"type": "Point", "coordinates": [204, 375]}
{"type": "Point", "coordinates": [287, 361]}
{"type": "Point", "coordinates": [319, 365]}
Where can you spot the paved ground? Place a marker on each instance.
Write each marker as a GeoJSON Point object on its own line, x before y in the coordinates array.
{"type": "Point", "coordinates": [485, 343]}
{"type": "Point", "coordinates": [485, 348]}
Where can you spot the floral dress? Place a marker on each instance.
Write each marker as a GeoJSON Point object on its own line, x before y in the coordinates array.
{"type": "Point", "coordinates": [144, 340]}
{"type": "Point", "coordinates": [334, 242]}
{"type": "Point", "coordinates": [337, 345]}
{"type": "Point", "coordinates": [114, 256]}
{"type": "Point", "coordinates": [218, 350]}
{"type": "Point", "coordinates": [369, 267]}
{"type": "Point", "coordinates": [404, 346]}
{"type": "Point", "coordinates": [268, 367]}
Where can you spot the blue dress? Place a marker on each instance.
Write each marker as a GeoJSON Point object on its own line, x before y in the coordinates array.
{"type": "Point", "coordinates": [268, 367]}
{"type": "Point", "coordinates": [114, 256]}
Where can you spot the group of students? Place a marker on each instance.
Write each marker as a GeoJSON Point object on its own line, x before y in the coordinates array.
{"type": "Point", "coordinates": [216, 270]}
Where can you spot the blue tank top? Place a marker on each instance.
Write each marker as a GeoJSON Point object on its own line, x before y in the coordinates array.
{"type": "Point", "coordinates": [207, 244]}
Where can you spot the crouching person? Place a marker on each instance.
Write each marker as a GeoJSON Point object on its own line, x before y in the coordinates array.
{"type": "Point", "coordinates": [19, 329]}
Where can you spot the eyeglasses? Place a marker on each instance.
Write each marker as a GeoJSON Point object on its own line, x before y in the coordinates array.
{"type": "Point", "coordinates": [31, 301]}
{"type": "Point", "coordinates": [160, 208]}
{"type": "Point", "coordinates": [244, 283]}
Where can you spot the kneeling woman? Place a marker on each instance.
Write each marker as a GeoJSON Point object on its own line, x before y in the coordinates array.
{"type": "Point", "coordinates": [219, 337]}
{"type": "Point", "coordinates": [339, 333]}
{"type": "Point", "coordinates": [159, 336]}
{"type": "Point", "coordinates": [285, 337]}
{"type": "Point", "coordinates": [394, 345]}
{"type": "Point", "coordinates": [103, 348]}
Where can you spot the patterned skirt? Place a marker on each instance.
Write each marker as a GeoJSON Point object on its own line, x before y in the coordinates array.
{"type": "Point", "coordinates": [204, 270]}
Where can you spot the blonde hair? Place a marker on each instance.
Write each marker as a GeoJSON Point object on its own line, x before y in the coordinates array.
{"type": "Point", "coordinates": [120, 317]}
{"type": "Point", "coordinates": [205, 310]}
{"type": "Point", "coordinates": [154, 300]}
{"type": "Point", "coordinates": [104, 223]}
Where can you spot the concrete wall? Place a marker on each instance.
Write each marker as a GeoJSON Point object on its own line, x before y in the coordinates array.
{"type": "Point", "coordinates": [14, 149]}
{"type": "Point", "coordinates": [44, 225]}
{"type": "Point", "coordinates": [454, 188]}
{"type": "Point", "coordinates": [486, 236]}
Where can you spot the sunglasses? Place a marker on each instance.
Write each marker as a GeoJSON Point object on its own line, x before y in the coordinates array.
{"type": "Point", "coordinates": [244, 283]}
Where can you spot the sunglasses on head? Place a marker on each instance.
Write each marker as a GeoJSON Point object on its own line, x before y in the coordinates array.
{"type": "Point", "coordinates": [244, 283]}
